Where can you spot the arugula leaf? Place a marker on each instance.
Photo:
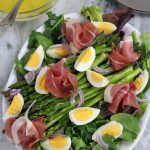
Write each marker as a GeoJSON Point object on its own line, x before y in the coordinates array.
{"type": "Point", "coordinates": [78, 143]}
{"type": "Point", "coordinates": [97, 147]}
{"type": "Point", "coordinates": [53, 27]}
{"type": "Point", "coordinates": [128, 121]}
{"type": "Point", "coordinates": [93, 13]}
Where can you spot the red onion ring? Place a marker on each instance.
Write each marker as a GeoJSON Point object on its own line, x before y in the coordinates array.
{"type": "Point", "coordinates": [103, 71]}
{"type": "Point", "coordinates": [30, 76]}
{"type": "Point", "coordinates": [14, 92]}
{"type": "Point", "coordinates": [80, 101]}
{"type": "Point", "coordinates": [101, 142]}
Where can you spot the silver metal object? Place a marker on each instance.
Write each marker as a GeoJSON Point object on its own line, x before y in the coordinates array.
{"type": "Point", "coordinates": [139, 5]}
{"type": "Point", "coordinates": [10, 18]}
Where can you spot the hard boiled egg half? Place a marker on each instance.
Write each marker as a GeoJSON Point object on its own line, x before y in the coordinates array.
{"type": "Point", "coordinates": [60, 142]}
{"type": "Point", "coordinates": [35, 60]}
{"type": "Point", "coordinates": [141, 81]}
{"type": "Point", "coordinates": [57, 51]}
{"type": "Point", "coordinates": [40, 86]}
{"type": "Point", "coordinates": [112, 128]}
{"type": "Point", "coordinates": [15, 107]}
{"type": "Point", "coordinates": [105, 27]}
{"type": "Point", "coordinates": [85, 59]}
{"type": "Point", "coordinates": [83, 115]}
{"type": "Point", "coordinates": [96, 79]}
{"type": "Point", "coordinates": [107, 94]}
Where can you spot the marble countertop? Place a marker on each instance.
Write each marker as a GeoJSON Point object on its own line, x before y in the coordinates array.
{"type": "Point", "coordinates": [12, 39]}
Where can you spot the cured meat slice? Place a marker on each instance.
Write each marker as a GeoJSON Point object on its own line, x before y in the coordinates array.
{"type": "Point", "coordinates": [121, 57]}
{"type": "Point", "coordinates": [123, 95]}
{"type": "Point", "coordinates": [60, 82]}
{"type": "Point", "coordinates": [24, 132]}
{"type": "Point", "coordinates": [80, 35]}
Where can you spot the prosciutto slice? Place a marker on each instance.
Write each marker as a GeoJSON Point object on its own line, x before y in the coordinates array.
{"type": "Point", "coordinates": [80, 35]}
{"type": "Point", "coordinates": [60, 82]}
{"type": "Point", "coordinates": [25, 133]}
{"type": "Point", "coordinates": [123, 96]}
{"type": "Point", "coordinates": [123, 56]}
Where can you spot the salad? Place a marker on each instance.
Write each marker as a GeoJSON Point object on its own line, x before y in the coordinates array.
{"type": "Point", "coordinates": [81, 85]}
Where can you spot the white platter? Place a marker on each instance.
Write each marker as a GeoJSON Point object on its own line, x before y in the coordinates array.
{"type": "Point", "coordinates": [128, 29]}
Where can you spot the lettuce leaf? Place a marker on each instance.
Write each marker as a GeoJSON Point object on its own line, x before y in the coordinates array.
{"type": "Point", "coordinates": [93, 13]}
{"type": "Point", "coordinates": [119, 17]}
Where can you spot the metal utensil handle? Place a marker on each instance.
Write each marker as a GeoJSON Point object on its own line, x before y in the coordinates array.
{"type": "Point", "coordinates": [10, 18]}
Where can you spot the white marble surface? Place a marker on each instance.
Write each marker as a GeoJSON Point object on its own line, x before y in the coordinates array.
{"type": "Point", "coordinates": [12, 39]}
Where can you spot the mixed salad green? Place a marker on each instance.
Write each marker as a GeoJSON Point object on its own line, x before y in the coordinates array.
{"type": "Point", "coordinates": [88, 63]}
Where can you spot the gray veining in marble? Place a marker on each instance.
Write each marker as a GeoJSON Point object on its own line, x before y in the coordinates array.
{"type": "Point", "coordinates": [12, 39]}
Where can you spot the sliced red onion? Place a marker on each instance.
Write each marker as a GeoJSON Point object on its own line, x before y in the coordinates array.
{"type": "Point", "coordinates": [14, 92]}
{"type": "Point", "coordinates": [103, 71]}
{"type": "Point", "coordinates": [80, 101]}
{"type": "Point", "coordinates": [101, 142]}
{"type": "Point", "coordinates": [142, 100]}
{"type": "Point", "coordinates": [27, 111]}
{"type": "Point", "coordinates": [30, 76]}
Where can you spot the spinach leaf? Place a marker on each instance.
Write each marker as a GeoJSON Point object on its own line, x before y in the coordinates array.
{"type": "Point", "coordinates": [44, 41]}
{"type": "Point", "coordinates": [128, 136]}
{"type": "Point", "coordinates": [19, 67]}
{"type": "Point", "coordinates": [37, 38]}
{"type": "Point", "coordinates": [128, 121]}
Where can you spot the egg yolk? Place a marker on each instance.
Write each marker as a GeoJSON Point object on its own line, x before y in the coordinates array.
{"type": "Point", "coordinates": [105, 27]}
{"type": "Point", "coordinates": [15, 106]}
{"type": "Point", "coordinates": [96, 76]}
{"type": "Point", "coordinates": [83, 114]}
{"type": "Point", "coordinates": [85, 56]}
{"type": "Point", "coordinates": [58, 142]}
{"type": "Point", "coordinates": [34, 60]}
{"type": "Point", "coordinates": [138, 83]}
{"type": "Point", "coordinates": [41, 84]}
{"type": "Point", "coordinates": [112, 130]}
{"type": "Point", "coordinates": [61, 52]}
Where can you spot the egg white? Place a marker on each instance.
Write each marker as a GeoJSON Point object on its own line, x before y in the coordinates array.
{"type": "Point", "coordinates": [51, 52]}
{"type": "Point", "coordinates": [8, 115]}
{"type": "Point", "coordinates": [101, 83]}
{"type": "Point", "coordinates": [40, 51]}
{"type": "Point", "coordinates": [97, 24]}
{"type": "Point", "coordinates": [78, 122]}
{"type": "Point", "coordinates": [99, 130]}
{"type": "Point", "coordinates": [81, 67]}
{"type": "Point", "coordinates": [47, 146]}
{"type": "Point", "coordinates": [145, 77]}
{"type": "Point", "coordinates": [41, 73]}
{"type": "Point", "coordinates": [107, 94]}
